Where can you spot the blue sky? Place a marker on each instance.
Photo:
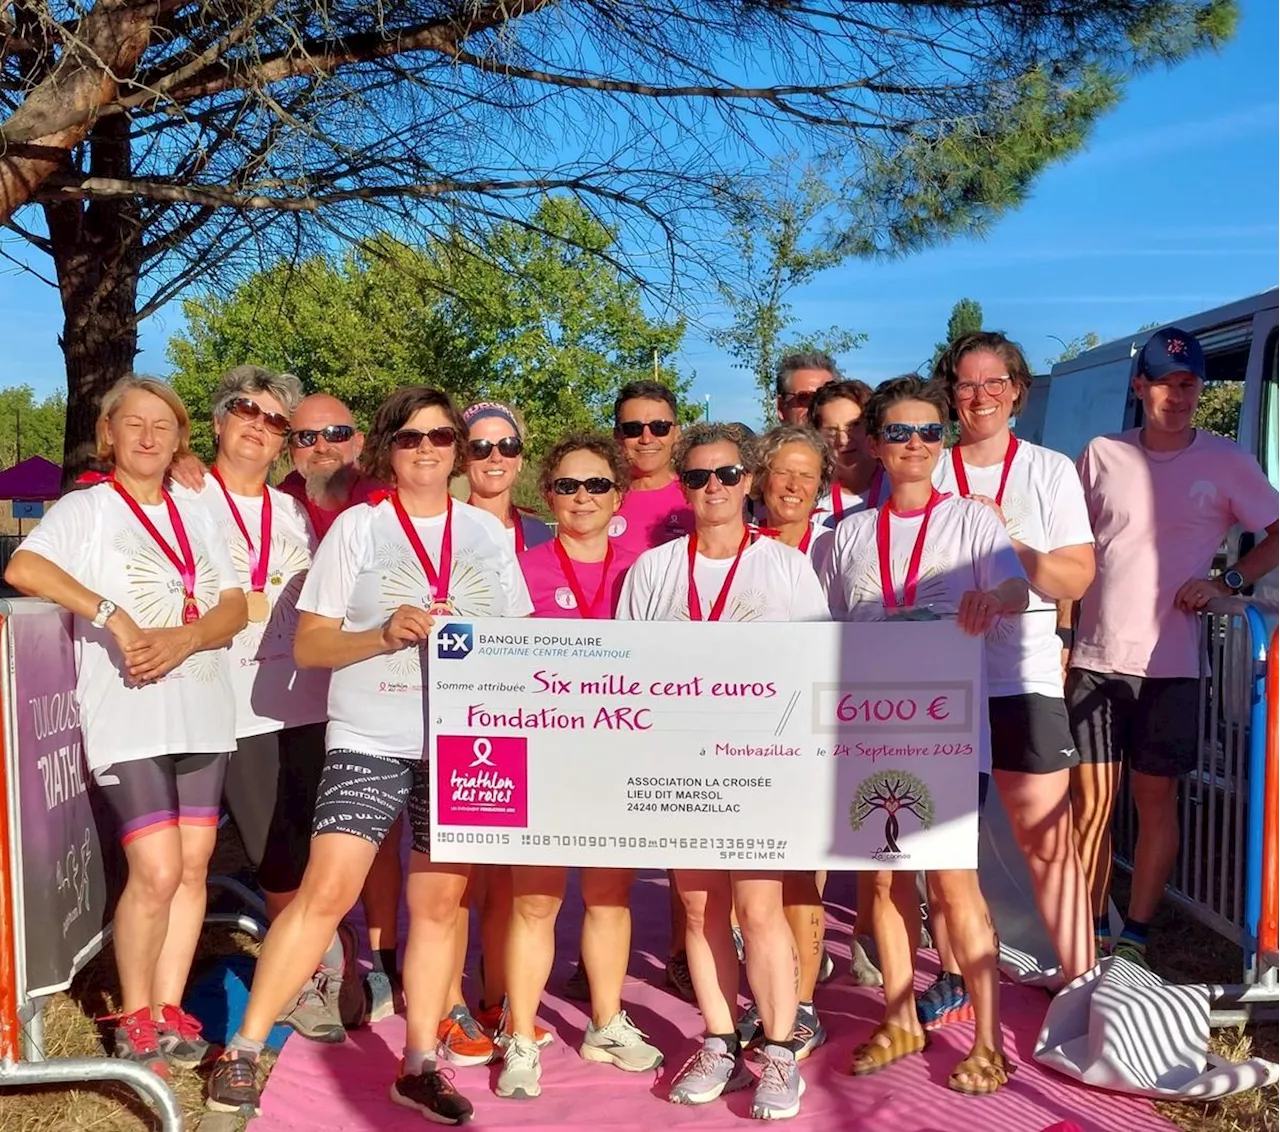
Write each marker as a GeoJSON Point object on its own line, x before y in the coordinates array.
{"type": "Point", "coordinates": [1172, 209]}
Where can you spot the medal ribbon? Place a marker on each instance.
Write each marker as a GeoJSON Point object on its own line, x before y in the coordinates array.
{"type": "Point", "coordinates": [257, 558]}
{"type": "Point", "coordinates": [912, 582]}
{"type": "Point", "coordinates": [717, 607]}
{"type": "Point", "coordinates": [186, 564]}
{"type": "Point", "coordinates": [962, 480]}
{"type": "Point", "coordinates": [803, 547]}
{"type": "Point", "coordinates": [439, 582]}
{"type": "Point", "coordinates": [586, 610]}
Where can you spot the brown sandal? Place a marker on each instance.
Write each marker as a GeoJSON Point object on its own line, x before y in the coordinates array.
{"type": "Point", "coordinates": [871, 1056]}
{"type": "Point", "coordinates": [991, 1069]}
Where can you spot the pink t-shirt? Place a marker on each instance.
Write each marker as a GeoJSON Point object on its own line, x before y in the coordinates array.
{"type": "Point", "coordinates": [550, 589]}
{"type": "Point", "coordinates": [649, 518]}
{"type": "Point", "coordinates": [1158, 519]}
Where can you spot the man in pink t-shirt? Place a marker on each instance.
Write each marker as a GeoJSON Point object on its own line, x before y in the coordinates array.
{"type": "Point", "coordinates": [654, 510]}
{"type": "Point", "coordinates": [1161, 499]}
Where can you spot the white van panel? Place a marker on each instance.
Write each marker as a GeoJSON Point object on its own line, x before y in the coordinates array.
{"type": "Point", "coordinates": [1085, 405]}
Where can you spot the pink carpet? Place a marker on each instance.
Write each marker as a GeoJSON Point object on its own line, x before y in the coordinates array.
{"type": "Point", "coordinates": [345, 1087]}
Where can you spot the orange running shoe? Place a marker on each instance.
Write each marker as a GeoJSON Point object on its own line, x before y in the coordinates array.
{"type": "Point", "coordinates": [461, 1041]}
{"type": "Point", "coordinates": [495, 1021]}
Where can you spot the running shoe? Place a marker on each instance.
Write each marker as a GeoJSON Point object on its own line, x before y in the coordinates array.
{"type": "Point", "coordinates": [863, 971]}
{"type": "Point", "coordinates": [498, 1026]}
{"type": "Point", "coordinates": [780, 1087]}
{"type": "Point", "coordinates": [739, 945]}
{"type": "Point", "coordinates": [344, 988]}
{"type": "Point", "coordinates": [619, 1042]}
{"type": "Point", "coordinates": [233, 1084]}
{"type": "Point", "coordinates": [1132, 951]}
{"type": "Point", "coordinates": [314, 1013]}
{"type": "Point", "coordinates": [711, 1071]}
{"type": "Point", "coordinates": [945, 1001]}
{"type": "Point", "coordinates": [383, 996]}
{"type": "Point", "coordinates": [431, 1092]}
{"type": "Point", "coordinates": [808, 1033]}
{"type": "Point", "coordinates": [178, 1035]}
{"type": "Point", "coordinates": [678, 978]}
{"type": "Point", "coordinates": [462, 1041]}
{"type": "Point", "coordinates": [136, 1039]}
{"type": "Point", "coordinates": [750, 1030]}
{"type": "Point", "coordinates": [827, 968]}
{"type": "Point", "coordinates": [576, 987]}
{"type": "Point", "coordinates": [521, 1070]}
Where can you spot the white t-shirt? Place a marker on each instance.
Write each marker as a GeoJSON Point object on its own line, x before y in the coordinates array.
{"type": "Point", "coordinates": [836, 505]}
{"type": "Point", "coordinates": [363, 571]}
{"type": "Point", "coordinates": [774, 582]}
{"type": "Point", "coordinates": [1044, 508]}
{"type": "Point", "coordinates": [271, 691]}
{"type": "Point", "coordinates": [94, 537]}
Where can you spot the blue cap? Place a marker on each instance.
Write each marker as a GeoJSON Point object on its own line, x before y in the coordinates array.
{"type": "Point", "coordinates": [1167, 352]}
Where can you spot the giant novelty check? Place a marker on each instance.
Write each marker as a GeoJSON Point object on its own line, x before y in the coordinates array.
{"type": "Point", "coordinates": [723, 745]}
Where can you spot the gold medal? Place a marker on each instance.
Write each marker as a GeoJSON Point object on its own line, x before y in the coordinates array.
{"type": "Point", "coordinates": [259, 606]}
{"type": "Point", "coordinates": [440, 608]}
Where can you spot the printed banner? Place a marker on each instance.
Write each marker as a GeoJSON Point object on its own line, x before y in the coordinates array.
{"type": "Point", "coordinates": [68, 890]}
{"type": "Point", "coordinates": [717, 745]}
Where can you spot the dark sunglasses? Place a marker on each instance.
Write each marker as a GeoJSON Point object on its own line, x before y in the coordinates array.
{"type": "Point", "coordinates": [333, 434]}
{"type": "Point", "coordinates": [248, 410]}
{"type": "Point", "coordinates": [407, 438]}
{"type": "Point", "coordinates": [695, 479]}
{"type": "Point", "coordinates": [634, 430]}
{"type": "Point", "coordinates": [801, 400]}
{"type": "Point", "coordinates": [902, 433]}
{"type": "Point", "coordinates": [595, 485]}
{"type": "Point", "coordinates": [508, 446]}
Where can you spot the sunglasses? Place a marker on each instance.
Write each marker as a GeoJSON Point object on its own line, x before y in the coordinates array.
{"type": "Point", "coordinates": [248, 410]}
{"type": "Point", "coordinates": [333, 434]}
{"type": "Point", "coordinates": [407, 438]}
{"type": "Point", "coordinates": [801, 400]}
{"type": "Point", "coordinates": [695, 479]}
{"type": "Point", "coordinates": [902, 433]}
{"type": "Point", "coordinates": [595, 485]}
{"type": "Point", "coordinates": [508, 446]}
{"type": "Point", "coordinates": [992, 387]}
{"type": "Point", "coordinates": [634, 430]}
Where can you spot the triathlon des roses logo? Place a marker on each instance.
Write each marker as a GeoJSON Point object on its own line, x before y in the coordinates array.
{"type": "Point", "coordinates": [897, 794]}
{"type": "Point", "coordinates": [483, 782]}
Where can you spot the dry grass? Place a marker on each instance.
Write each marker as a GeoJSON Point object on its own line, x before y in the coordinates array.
{"type": "Point", "coordinates": [1183, 951]}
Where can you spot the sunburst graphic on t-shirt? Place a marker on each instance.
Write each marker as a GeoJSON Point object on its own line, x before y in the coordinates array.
{"type": "Point", "coordinates": [473, 586]}
{"type": "Point", "coordinates": [1014, 509]}
{"type": "Point", "coordinates": [749, 605]}
{"type": "Point", "coordinates": [868, 596]}
{"type": "Point", "coordinates": [406, 664]}
{"type": "Point", "coordinates": [401, 580]}
{"type": "Point", "coordinates": [203, 667]}
{"type": "Point", "coordinates": [155, 587]}
{"type": "Point", "coordinates": [286, 569]}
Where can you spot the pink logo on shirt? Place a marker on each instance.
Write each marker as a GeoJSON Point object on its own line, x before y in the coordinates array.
{"type": "Point", "coordinates": [617, 527]}
{"type": "Point", "coordinates": [565, 598]}
{"type": "Point", "coordinates": [482, 781]}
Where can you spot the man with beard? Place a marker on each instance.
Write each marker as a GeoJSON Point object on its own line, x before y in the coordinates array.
{"type": "Point", "coordinates": [325, 445]}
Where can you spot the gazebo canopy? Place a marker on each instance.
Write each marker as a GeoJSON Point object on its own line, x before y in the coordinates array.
{"type": "Point", "coordinates": [34, 479]}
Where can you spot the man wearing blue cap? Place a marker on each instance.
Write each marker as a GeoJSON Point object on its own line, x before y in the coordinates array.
{"type": "Point", "coordinates": [1161, 499]}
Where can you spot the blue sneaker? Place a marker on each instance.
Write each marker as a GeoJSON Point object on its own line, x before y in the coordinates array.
{"type": "Point", "coordinates": [808, 1033]}
{"type": "Point", "coordinates": [713, 1070]}
{"type": "Point", "coordinates": [945, 1001]}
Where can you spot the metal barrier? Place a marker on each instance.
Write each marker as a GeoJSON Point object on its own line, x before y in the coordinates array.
{"type": "Point", "coordinates": [1269, 925]}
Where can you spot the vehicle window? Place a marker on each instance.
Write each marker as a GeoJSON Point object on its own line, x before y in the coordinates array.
{"type": "Point", "coordinates": [1268, 453]}
{"type": "Point", "coordinates": [1223, 395]}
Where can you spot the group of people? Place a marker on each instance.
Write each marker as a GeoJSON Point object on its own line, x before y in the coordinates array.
{"type": "Point", "coordinates": [261, 648]}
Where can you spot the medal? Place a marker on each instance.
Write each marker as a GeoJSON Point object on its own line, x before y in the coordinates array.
{"type": "Point", "coordinates": [186, 564]}
{"type": "Point", "coordinates": [962, 480]}
{"type": "Point", "coordinates": [440, 605]}
{"type": "Point", "coordinates": [259, 604]}
{"type": "Point", "coordinates": [717, 606]}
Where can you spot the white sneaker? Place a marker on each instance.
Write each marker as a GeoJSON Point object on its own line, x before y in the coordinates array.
{"type": "Point", "coordinates": [521, 1069]}
{"type": "Point", "coordinates": [619, 1042]}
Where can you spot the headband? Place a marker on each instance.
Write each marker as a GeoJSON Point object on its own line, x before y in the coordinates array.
{"type": "Point", "coordinates": [483, 410]}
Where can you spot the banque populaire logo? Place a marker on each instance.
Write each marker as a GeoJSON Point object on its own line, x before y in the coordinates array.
{"type": "Point", "coordinates": [455, 641]}
{"type": "Point", "coordinates": [895, 793]}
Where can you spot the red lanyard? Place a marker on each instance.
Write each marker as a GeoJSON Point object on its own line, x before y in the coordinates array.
{"type": "Point", "coordinates": [257, 558]}
{"type": "Point", "coordinates": [186, 565]}
{"type": "Point", "coordinates": [518, 527]}
{"type": "Point", "coordinates": [439, 582]}
{"type": "Point", "coordinates": [912, 582]}
{"type": "Point", "coordinates": [837, 507]}
{"type": "Point", "coordinates": [586, 610]}
{"type": "Point", "coordinates": [717, 607]}
{"type": "Point", "coordinates": [872, 496]}
{"type": "Point", "coordinates": [962, 480]}
{"type": "Point", "coordinates": [803, 547]}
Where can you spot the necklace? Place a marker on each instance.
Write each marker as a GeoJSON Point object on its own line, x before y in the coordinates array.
{"type": "Point", "coordinates": [1166, 457]}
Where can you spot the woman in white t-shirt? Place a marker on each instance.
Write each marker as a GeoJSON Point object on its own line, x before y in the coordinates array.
{"type": "Point", "coordinates": [156, 601]}
{"type": "Point", "coordinates": [384, 572]}
{"type": "Point", "coordinates": [726, 570]}
{"type": "Point", "coordinates": [923, 551]}
{"type": "Point", "coordinates": [1037, 497]}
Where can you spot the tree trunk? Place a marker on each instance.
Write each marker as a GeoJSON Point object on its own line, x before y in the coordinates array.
{"type": "Point", "coordinates": [97, 253]}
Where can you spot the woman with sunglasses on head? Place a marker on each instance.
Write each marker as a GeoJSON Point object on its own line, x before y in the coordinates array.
{"type": "Point", "coordinates": [923, 550]}
{"type": "Point", "coordinates": [154, 596]}
{"type": "Point", "coordinates": [495, 457]}
{"type": "Point", "coordinates": [579, 574]}
{"type": "Point", "coordinates": [1036, 495]}
{"type": "Point", "coordinates": [836, 414]}
{"type": "Point", "coordinates": [724, 569]}
{"type": "Point", "coordinates": [380, 578]}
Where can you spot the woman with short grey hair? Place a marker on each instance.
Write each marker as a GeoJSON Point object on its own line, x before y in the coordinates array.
{"type": "Point", "coordinates": [280, 710]}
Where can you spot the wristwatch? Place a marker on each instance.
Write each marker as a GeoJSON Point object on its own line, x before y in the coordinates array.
{"type": "Point", "coordinates": [105, 610]}
{"type": "Point", "coordinates": [1067, 637]}
{"type": "Point", "coordinates": [1234, 580]}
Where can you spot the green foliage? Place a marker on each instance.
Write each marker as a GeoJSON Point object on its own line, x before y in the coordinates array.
{"type": "Point", "coordinates": [29, 427]}
{"type": "Point", "coordinates": [1219, 408]}
{"type": "Point", "coordinates": [534, 314]}
{"type": "Point", "coordinates": [1075, 347]}
{"type": "Point", "coordinates": [965, 318]}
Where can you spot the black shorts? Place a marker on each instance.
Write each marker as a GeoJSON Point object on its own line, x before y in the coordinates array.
{"type": "Point", "coordinates": [1030, 734]}
{"type": "Point", "coordinates": [145, 795]}
{"type": "Point", "coordinates": [364, 794]}
{"type": "Point", "coordinates": [270, 793]}
{"type": "Point", "coordinates": [1149, 722]}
